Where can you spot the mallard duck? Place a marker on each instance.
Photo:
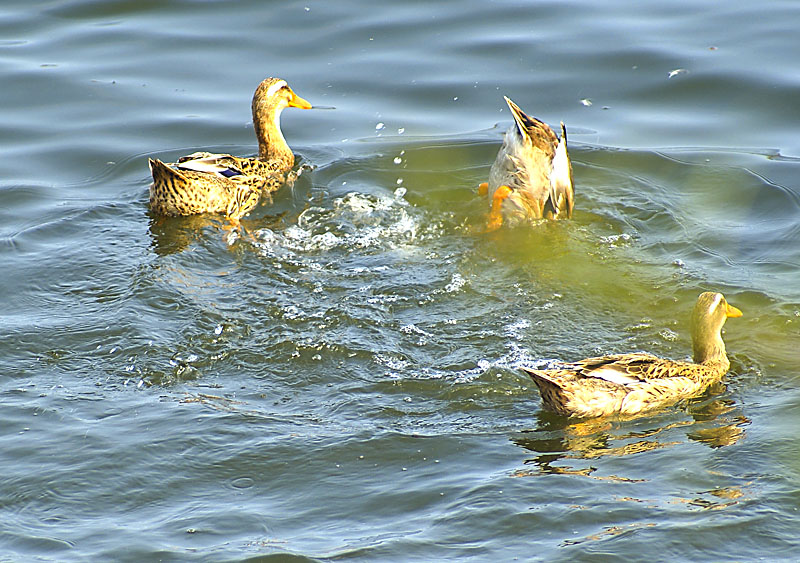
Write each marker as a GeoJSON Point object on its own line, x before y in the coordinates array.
{"type": "Point", "coordinates": [220, 183]}
{"type": "Point", "coordinates": [531, 178]}
{"type": "Point", "coordinates": [629, 384]}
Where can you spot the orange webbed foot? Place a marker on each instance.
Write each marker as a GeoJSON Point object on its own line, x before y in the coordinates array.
{"type": "Point", "coordinates": [483, 188]}
{"type": "Point", "coordinates": [232, 230]}
{"type": "Point", "coordinates": [496, 212]}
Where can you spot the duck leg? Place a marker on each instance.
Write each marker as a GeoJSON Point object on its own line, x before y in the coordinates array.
{"type": "Point", "coordinates": [496, 212]}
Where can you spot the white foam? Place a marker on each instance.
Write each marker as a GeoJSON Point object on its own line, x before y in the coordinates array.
{"type": "Point", "coordinates": [355, 221]}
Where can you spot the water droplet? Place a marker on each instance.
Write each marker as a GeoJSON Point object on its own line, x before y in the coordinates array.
{"type": "Point", "coordinates": [242, 483]}
{"type": "Point", "coordinates": [398, 160]}
{"type": "Point", "coordinates": [380, 126]}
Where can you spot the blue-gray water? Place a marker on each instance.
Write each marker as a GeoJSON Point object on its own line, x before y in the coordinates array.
{"type": "Point", "coordinates": [343, 386]}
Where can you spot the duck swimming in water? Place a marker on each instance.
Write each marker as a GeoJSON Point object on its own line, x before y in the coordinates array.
{"type": "Point", "coordinates": [203, 182]}
{"type": "Point", "coordinates": [630, 384]}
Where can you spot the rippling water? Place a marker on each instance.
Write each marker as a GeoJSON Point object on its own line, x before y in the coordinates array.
{"type": "Point", "coordinates": [342, 382]}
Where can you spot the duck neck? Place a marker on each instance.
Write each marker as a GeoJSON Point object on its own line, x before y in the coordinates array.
{"type": "Point", "coordinates": [271, 144]}
{"type": "Point", "coordinates": [711, 352]}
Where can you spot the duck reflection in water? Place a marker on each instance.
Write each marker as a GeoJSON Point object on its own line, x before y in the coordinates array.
{"type": "Point", "coordinates": [715, 423]}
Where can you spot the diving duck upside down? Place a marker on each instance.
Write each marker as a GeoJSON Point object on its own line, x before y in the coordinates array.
{"type": "Point", "coordinates": [630, 384]}
{"type": "Point", "coordinates": [203, 182]}
{"type": "Point", "coordinates": [531, 178]}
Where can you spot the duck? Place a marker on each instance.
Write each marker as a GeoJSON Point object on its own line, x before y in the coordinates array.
{"type": "Point", "coordinates": [634, 383]}
{"type": "Point", "coordinates": [205, 182]}
{"type": "Point", "coordinates": [531, 177]}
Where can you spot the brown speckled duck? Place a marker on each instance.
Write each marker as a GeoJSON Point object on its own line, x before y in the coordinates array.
{"type": "Point", "coordinates": [630, 384]}
{"type": "Point", "coordinates": [220, 183]}
{"type": "Point", "coordinates": [531, 178]}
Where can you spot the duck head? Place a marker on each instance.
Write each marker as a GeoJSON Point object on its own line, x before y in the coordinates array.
{"type": "Point", "coordinates": [271, 97]}
{"type": "Point", "coordinates": [709, 315]}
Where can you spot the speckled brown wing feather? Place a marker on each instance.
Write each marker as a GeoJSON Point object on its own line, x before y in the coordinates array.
{"type": "Point", "coordinates": [636, 365]}
{"type": "Point", "coordinates": [267, 176]}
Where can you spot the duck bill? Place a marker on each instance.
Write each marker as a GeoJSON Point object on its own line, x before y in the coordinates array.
{"type": "Point", "coordinates": [298, 102]}
{"type": "Point", "coordinates": [732, 311]}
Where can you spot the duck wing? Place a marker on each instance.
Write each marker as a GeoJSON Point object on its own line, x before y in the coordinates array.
{"type": "Point", "coordinates": [631, 369]}
{"type": "Point", "coordinates": [224, 165]}
{"type": "Point", "coordinates": [249, 171]}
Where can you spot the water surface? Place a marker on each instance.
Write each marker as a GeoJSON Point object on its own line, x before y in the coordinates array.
{"type": "Point", "coordinates": [343, 383]}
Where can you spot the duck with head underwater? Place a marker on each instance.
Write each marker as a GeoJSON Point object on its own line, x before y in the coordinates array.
{"type": "Point", "coordinates": [531, 178]}
{"type": "Point", "coordinates": [629, 384]}
{"type": "Point", "coordinates": [203, 182]}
